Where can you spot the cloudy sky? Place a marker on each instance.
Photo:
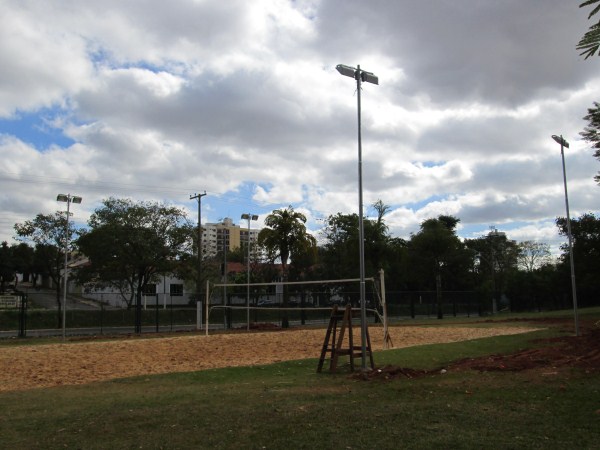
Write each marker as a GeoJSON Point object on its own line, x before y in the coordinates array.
{"type": "Point", "coordinates": [159, 100]}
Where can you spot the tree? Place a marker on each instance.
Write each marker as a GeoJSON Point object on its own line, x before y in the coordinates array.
{"type": "Point", "coordinates": [340, 252]}
{"type": "Point", "coordinates": [496, 259]}
{"type": "Point", "coordinates": [24, 261]}
{"type": "Point", "coordinates": [591, 132]}
{"type": "Point", "coordinates": [7, 267]}
{"type": "Point", "coordinates": [285, 238]}
{"type": "Point", "coordinates": [586, 254]}
{"type": "Point", "coordinates": [129, 244]}
{"type": "Point", "coordinates": [590, 42]}
{"type": "Point", "coordinates": [532, 255]}
{"type": "Point", "coordinates": [436, 252]}
{"type": "Point", "coordinates": [18, 258]}
{"type": "Point", "coordinates": [47, 232]}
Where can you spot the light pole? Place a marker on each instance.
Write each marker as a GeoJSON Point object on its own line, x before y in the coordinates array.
{"type": "Point", "coordinates": [360, 75]}
{"type": "Point", "coordinates": [249, 217]}
{"type": "Point", "coordinates": [199, 282]}
{"type": "Point", "coordinates": [68, 198]}
{"type": "Point", "coordinates": [563, 143]}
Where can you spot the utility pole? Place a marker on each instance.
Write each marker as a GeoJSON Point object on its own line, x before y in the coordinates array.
{"type": "Point", "coordinates": [199, 281]}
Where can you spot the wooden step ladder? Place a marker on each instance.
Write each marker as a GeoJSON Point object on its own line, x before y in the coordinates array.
{"type": "Point", "coordinates": [339, 322]}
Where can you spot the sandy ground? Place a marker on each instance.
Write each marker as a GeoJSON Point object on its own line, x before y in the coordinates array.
{"type": "Point", "coordinates": [71, 363]}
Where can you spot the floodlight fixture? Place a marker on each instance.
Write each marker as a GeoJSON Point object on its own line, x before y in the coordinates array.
{"type": "Point", "coordinates": [563, 143]}
{"type": "Point", "coordinates": [68, 199]}
{"type": "Point", "coordinates": [560, 140]}
{"type": "Point", "coordinates": [369, 77]}
{"type": "Point", "coordinates": [347, 71]}
{"type": "Point", "coordinates": [360, 75]}
{"type": "Point", "coordinates": [355, 72]}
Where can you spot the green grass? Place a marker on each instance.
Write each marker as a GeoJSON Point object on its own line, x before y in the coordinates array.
{"type": "Point", "coordinates": [289, 406]}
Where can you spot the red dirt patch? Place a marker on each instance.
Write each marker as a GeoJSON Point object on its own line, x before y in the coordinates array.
{"type": "Point", "coordinates": [582, 352]}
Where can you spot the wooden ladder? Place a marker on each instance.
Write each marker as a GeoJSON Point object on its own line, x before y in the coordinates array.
{"type": "Point", "coordinates": [334, 340]}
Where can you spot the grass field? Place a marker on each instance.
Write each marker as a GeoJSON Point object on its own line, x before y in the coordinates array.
{"type": "Point", "coordinates": [288, 405]}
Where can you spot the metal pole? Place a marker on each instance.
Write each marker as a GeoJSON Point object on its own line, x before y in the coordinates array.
{"type": "Point", "coordinates": [225, 310]}
{"type": "Point", "coordinates": [248, 280]}
{"type": "Point", "coordinates": [361, 234]}
{"type": "Point", "coordinates": [199, 283]}
{"type": "Point", "coordinates": [66, 276]}
{"type": "Point", "coordinates": [573, 284]}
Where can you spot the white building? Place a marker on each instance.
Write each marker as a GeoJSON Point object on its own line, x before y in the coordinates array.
{"type": "Point", "coordinates": [225, 235]}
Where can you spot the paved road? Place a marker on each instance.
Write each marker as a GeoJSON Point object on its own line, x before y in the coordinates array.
{"type": "Point", "coordinates": [46, 299]}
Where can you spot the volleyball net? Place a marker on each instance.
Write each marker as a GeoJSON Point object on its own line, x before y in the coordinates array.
{"type": "Point", "coordinates": [291, 303]}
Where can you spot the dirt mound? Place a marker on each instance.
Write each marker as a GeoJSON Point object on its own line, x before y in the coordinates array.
{"type": "Point", "coordinates": [552, 354]}
{"type": "Point", "coordinates": [568, 351]}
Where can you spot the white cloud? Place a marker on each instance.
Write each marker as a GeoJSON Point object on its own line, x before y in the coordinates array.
{"type": "Point", "coordinates": [242, 99]}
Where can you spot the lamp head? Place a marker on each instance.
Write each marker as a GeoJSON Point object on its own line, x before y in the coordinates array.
{"type": "Point", "coordinates": [68, 198]}
{"type": "Point", "coordinates": [560, 140]}
{"type": "Point", "coordinates": [347, 71]}
{"type": "Point", "coordinates": [369, 77]}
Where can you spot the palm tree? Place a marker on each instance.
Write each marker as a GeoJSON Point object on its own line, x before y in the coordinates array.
{"type": "Point", "coordinates": [284, 238]}
{"type": "Point", "coordinates": [590, 42]}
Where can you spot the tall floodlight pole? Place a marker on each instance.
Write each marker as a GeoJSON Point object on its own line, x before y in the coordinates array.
{"type": "Point", "coordinates": [249, 217]}
{"type": "Point", "coordinates": [199, 282]}
{"type": "Point", "coordinates": [563, 143]}
{"type": "Point", "coordinates": [68, 198]}
{"type": "Point", "coordinates": [360, 75]}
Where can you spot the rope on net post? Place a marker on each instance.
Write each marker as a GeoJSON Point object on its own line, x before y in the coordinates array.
{"type": "Point", "coordinates": [387, 340]}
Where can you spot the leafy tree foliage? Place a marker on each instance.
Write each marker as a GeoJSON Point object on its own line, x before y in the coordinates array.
{"type": "Point", "coordinates": [339, 255]}
{"type": "Point", "coordinates": [129, 244]}
{"type": "Point", "coordinates": [544, 287]}
{"type": "Point", "coordinates": [590, 42]}
{"type": "Point", "coordinates": [47, 233]}
{"type": "Point", "coordinates": [533, 255]}
{"type": "Point", "coordinates": [285, 238]}
{"type": "Point", "coordinates": [7, 267]}
{"type": "Point", "coordinates": [496, 259]}
{"type": "Point", "coordinates": [586, 254]}
{"type": "Point", "coordinates": [436, 253]}
{"type": "Point", "coordinates": [591, 133]}
{"type": "Point", "coordinates": [17, 258]}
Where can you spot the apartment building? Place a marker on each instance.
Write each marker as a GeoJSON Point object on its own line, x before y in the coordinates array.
{"type": "Point", "coordinates": [225, 235]}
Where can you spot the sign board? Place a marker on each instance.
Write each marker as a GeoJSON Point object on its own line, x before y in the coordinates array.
{"type": "Point", "coordinates": [10, 301]}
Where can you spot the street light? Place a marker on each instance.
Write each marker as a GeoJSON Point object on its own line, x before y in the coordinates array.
{"type": "Point", "coordinates": [68, 198]}
{"type": "Point", "coordinates": [563, 143]}
{"type": "Point", "coordinates": [248, 217]}
{"type": "Point", "coordinates": [360, 75]}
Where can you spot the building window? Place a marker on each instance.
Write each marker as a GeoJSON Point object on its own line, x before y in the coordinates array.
{"type": "Point", "coordinates": [176, 289]}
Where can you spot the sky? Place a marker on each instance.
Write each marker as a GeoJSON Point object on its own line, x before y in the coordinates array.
{"type": "Point", "coordinates": [159, 101]}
